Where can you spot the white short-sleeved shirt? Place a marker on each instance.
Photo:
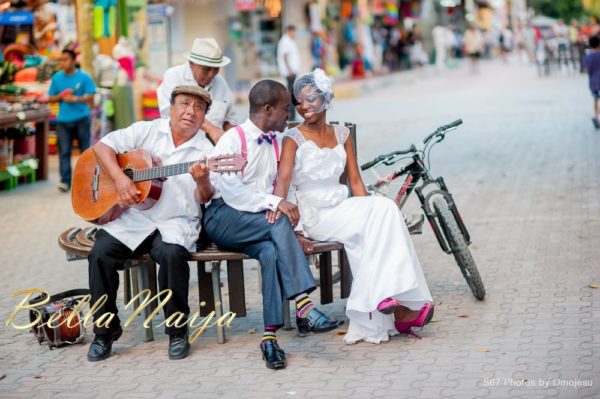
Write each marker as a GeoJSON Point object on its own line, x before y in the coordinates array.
{"type": "Point", "coordinates": [252, 189]}
{"type": "Point", "coordinates": [177, 213]}
{"type": "Point", "coordinates": [287, 46]}
{"type": "Point", "coordinates": [221, 109]}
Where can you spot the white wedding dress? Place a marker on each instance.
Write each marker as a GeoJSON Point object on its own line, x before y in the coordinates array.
{"type": "Point", "coordinates": [380, 251]}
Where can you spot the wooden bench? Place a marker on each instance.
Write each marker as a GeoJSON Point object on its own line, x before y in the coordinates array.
{"type": "Point", "coordinates": [140, 274]}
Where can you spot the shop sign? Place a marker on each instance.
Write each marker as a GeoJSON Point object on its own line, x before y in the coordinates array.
{"type": "Point", "coordinates": [246, 5]}
{"type": "Point", "coordinates": [16, 18]}
{"type": "Point", "coordinates": [159, 10]}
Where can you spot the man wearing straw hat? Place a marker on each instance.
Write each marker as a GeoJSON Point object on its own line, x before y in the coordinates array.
{"type": "Point", "coordinates": [204, 61]}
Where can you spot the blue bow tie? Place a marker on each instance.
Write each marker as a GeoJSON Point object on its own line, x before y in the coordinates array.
{"type": "Point", "coordinates": [268, 137]}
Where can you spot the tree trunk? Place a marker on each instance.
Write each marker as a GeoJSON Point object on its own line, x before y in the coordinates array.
{"type": "Point", "coordinates": [85, 26]}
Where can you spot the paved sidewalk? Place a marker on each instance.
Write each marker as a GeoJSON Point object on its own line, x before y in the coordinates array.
{"type": "Point", "coordinates": [525, 172]}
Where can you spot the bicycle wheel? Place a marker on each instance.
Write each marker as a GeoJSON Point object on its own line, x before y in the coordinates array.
{"type": "Point", "coordinates": [461, 252]}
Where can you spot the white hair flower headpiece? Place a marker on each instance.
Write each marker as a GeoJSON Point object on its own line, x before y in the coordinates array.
{"type": "Point", "coordinates": [314, 91]}
{"type": "Point", "coordinates": [322, 81]}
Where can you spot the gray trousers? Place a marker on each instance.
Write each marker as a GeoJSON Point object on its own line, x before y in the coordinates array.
{"type": "Point", "coordinates": [285, 271]}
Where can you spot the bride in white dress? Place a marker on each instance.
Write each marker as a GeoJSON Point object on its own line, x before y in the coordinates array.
{"type": "Point", "coordinates": [389, 293]}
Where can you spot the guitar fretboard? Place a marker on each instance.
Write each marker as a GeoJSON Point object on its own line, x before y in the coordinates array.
{"type": "Point", "coordinates": [159, 172]}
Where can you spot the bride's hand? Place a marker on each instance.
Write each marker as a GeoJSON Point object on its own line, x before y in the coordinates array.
{"type": "Point", "coordinates": [306, 244]}
{"type": "Point", "coordinates": [290, 210]}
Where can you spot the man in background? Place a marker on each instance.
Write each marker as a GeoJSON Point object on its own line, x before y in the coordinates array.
{"type": "Point", "coordinates": [288, 62]}
{"type": "Point", "coordinates": [204, 62]}
{"type": "Point", "coordinates": [74, 91]}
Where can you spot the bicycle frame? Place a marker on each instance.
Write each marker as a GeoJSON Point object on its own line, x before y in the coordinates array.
{"type": "Point", "coordinates": [417, 172]}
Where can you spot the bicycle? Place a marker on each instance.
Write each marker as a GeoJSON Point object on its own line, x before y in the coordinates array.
{"type": "Point", "coordinates": [436, 201]}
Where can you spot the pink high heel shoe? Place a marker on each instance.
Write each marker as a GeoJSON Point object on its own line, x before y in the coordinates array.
{"type": "Point", "coordinates": [388, 306]}
{"type": "Point", "coordinates": [424, 317]}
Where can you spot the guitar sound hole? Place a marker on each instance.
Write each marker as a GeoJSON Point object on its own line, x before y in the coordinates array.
{"type": "Point", "coordinates": [128, 173]}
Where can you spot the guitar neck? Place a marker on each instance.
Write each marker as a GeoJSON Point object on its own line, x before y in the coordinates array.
{"type": "Point", "coordinates": [159, 172]}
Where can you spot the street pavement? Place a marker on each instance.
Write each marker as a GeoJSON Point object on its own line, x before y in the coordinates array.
{"type": "Point", "coordinates": [524, 170]}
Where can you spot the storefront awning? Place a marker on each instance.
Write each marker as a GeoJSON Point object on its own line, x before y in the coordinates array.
{"type": "Point", "coordinates": [16, 18]}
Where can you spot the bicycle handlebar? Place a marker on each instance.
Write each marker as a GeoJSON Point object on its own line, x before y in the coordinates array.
{"type": "Point", "coordinates": [384, 157]}
{"type": "Point", "coordinates": [443, 129]}
{"type": "Point", "coordinates": [440, 130]}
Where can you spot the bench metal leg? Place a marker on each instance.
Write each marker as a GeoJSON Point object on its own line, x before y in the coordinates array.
{"type": "Point", "coordinates": [144, 279]}
{"type": "Point", "coordinates": [345, 275]}
{"type": "Point", "coordinates": [325, 274]}
{"type": "Point", "coordinates": [126, 286]}
{"type": "Point", "coordinates": [287, 322]}
{"type": "Point", "coordinates": [205, 291]}
{"type": "Point", "coordinates": [135, 288]}
{"type": "Point", "coordinates": [216, 284]}
{"type": "Point", "coordinates": [259, 280]}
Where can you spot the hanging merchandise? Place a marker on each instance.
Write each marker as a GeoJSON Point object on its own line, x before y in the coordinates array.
{"type": "Point", "coordinates": [105, 18]}
{"type": "Point", "coordinates": [410, 9]}
{"type": "Point", "coordinates": [124, 54]}
{"type": "Point", "coordinates": [273, 7]}
{"type": "Point", "coordinates": [122, 96]}
{"type": "Point", "coordinates": [100, 114]}
{"type": "Point", "coordinates": [346, 10]}
{"type": "Point", "coordinates": [45, 30]}
{"type": "Point", "coordinates": [391, 13]}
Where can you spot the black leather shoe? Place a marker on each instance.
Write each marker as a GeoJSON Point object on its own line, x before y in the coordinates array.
{"type": "Point", "coordinates": [101, 346]}
{"type": "Point", "coordinates": [273, 355]}
{"type": "Point", "coordinates": [179, 347]}
{"type": "Point", "coordinates": [316, 322]}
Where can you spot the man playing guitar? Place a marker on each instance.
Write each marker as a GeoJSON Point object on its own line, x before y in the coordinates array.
{"type": "Point", "coordinates": [169, 229]}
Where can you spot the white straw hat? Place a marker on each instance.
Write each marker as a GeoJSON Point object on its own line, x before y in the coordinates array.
{"type": "Point", "coordinates": [208, 53]}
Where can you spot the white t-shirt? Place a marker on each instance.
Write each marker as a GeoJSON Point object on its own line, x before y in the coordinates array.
{"type": "Point", "coordinates": [221, 109]}
{"type": "Point", "coordinates": [288, 47]}
{"type": "Point", "coordinates": [252, 190]}
{"type": "Point", "coordinates": [176, 214]}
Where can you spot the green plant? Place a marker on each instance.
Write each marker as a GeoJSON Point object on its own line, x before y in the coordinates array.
{"type": "Point", "coordinates": [565, 9]}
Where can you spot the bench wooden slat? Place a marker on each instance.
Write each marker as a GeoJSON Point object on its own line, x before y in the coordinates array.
{"type": "Point", "coordinates": [86, 236]}
{"type": "Point", "coordinates": [67, 242]}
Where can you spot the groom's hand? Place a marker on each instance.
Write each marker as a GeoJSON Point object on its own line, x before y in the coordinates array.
{"type": "Point", "coordinates": [290, 210]}
{"type": "Point", "coordinates": [272, 216]}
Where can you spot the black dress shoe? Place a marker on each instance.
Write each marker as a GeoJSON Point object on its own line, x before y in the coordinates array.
{"type": "Point", "coordinates": [101, 346]}
{"type": "Point", "coordinates": [273, 355]}
{"type": "Point", "coordinates": [179, 347]}
{"type": "Point", "coordinates": [316, 322]}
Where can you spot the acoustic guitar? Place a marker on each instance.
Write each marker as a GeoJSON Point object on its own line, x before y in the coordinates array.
{"type": "Point", "coordinates": [93, 194]}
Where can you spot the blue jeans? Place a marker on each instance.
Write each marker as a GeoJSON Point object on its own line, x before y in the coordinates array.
{"type": "Point", "coordinates": [284, 269]}
{"type": "Point", "coordinates": [66, 132]}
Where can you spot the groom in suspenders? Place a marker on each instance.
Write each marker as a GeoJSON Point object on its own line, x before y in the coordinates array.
{"type": "Point", "coordinates": [241, 217]}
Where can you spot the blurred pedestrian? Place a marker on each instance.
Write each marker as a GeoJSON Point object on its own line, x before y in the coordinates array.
{"type": "Point", "coordinates": [506, 43]}
{"type": "Point", "coordinates": [592, 65]}
{"type": "Point", "coordinates": [73, 90]}
{"type": "Point", "coordinates": [288, 62]}
{"type": "Point", "coordinates": [561, 32]}
{"type": "Point", "coordinates": [439, 43]}
{"type": "Point", "coordinates": [473, 42]}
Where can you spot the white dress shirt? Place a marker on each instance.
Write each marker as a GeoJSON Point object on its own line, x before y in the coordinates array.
{"type": "Point", "coordinates": [221, 109]}
{"type": "Point", "coordinates": [252, 189]}
{"type": "Point", "coordinates": [288, 47]}
{"type": "Point", "coordinates": [176, 214]}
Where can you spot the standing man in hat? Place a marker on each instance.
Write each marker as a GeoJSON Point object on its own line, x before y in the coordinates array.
{"type": "Point", "coordinates": [168, 230]}
{"type": "Point", "coordinates": [204, 61]}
